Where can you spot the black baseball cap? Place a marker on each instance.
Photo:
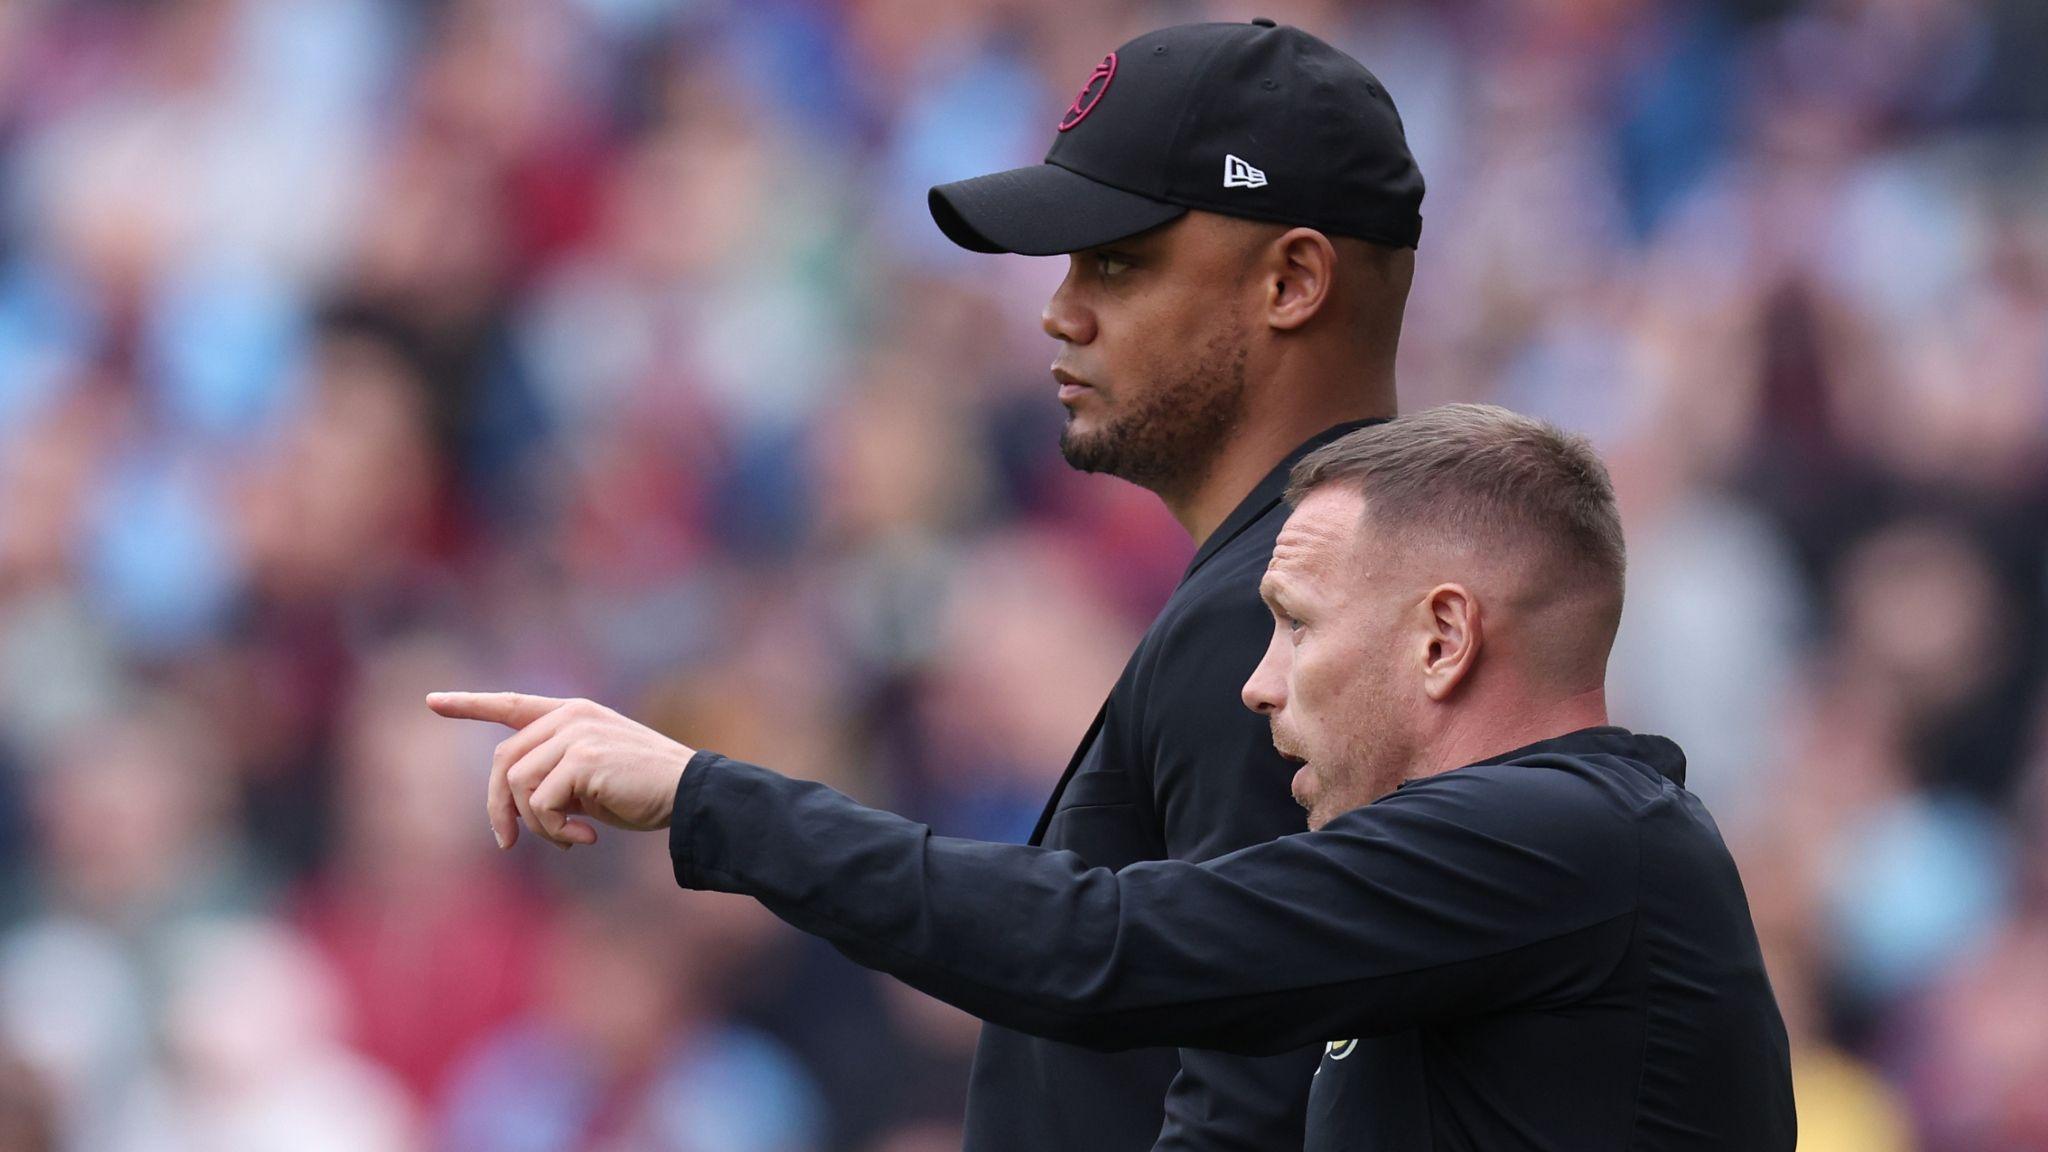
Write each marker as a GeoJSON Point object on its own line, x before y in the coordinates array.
{"type": "Point", "coordinates": [1256, 120]}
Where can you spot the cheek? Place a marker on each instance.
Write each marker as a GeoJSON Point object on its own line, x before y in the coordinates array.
{"type": "Point", "coordinates": [1138, 360]}
{"type": "Point", "coordinates": [1341, 685]}
{"type": "Point", "coordinates": [1322, 685]}
{"type": "Point", "coordinates": [1152, 331]}
{"type": "Point", "coordinates": [1305, 680]}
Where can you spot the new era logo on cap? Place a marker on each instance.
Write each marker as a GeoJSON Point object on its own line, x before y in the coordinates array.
{"type": "Point", "coordinates": [1238, 174]}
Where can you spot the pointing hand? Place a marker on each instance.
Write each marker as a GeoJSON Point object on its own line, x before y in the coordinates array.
{"type": "Point", "coordinates": [570, 758]}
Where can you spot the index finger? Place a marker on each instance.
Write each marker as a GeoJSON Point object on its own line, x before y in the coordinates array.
{"type": "Point", "coordinates": [512, 709]}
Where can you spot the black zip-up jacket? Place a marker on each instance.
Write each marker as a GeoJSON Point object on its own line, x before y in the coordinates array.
{"type": "Point", "coordinates": [1546, 950]}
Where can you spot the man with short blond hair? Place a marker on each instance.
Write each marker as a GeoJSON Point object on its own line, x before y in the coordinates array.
{"type": "Point", "coordinates": [1523, 513]}
{"type": "Point", "coordinates": [1510, 925]}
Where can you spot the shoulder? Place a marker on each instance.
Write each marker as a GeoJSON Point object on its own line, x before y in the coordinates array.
{"type": "Point", "coordinates": [1561, 807]}
{"type": "Point", "coordinates": [1220, 598]}
{"type": "Point", "coordinates": [1193, 662]}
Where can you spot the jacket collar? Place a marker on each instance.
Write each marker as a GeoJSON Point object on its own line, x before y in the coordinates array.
{"type": "Point", "coordinates": [1656, 751]}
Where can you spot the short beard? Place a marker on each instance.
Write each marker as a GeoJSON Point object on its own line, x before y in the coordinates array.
{"type": "Point", "coordinates": [1168, 441]}
{"type": "Point", "coordinates": [1372, 765]}
{"type": "Point", "coordinates": [1379, 762]}
{"type": "Point", "coordinates": [1373, 753]}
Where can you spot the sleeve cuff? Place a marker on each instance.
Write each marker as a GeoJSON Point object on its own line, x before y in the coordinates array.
{"type": "Point", "coordinates": [688, 790]}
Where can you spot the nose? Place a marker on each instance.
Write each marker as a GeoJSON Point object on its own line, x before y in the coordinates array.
{"type": "Point", "coordinates": [1266, 691]}
{"type": "Point", "coordinates": [1064, 318]}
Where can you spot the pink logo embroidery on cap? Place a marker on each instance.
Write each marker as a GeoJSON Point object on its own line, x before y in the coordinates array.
{"type": "Point", "coordinates": [1091, 93]}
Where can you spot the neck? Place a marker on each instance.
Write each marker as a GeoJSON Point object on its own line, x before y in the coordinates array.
{"type": "Point", "coordinates": [1254, 450]}
{"type": "Point", "coordinates": [1488, 730]}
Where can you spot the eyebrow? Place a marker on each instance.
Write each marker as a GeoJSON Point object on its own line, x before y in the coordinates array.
{"type": "Point", "coordinates": [1270, 588]}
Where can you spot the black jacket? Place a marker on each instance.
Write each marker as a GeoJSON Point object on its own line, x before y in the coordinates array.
{"type": "Point", "coordinates": [1174, 768]}
{"type": "Point", "coordinates": [1547, 950]}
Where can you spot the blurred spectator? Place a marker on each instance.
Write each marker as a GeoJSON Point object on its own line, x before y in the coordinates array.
{"type": "Point", "coordinates": [434, 942]}
{"type": "Point", "coordinates": [254, 1059]}
{"type": "Point", "coordinates": [138, 826]}
{"type": "Point", "coordinates": [1980, 1069]}
{"type": "Point", "coordinates": [625, 1052]}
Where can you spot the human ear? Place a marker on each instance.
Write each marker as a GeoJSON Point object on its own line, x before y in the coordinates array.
{"type": "Point", "coordinates": [1303, 266]}
{"type": "Point", "coordinates": [1452, 637]}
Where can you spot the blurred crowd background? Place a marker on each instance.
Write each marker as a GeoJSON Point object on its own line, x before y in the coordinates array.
{"type": "Point", "coordinates": [351, 349]}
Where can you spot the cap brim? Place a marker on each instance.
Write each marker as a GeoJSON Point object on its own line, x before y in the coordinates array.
{"type": "Point", "coordinates": [1043, 210]}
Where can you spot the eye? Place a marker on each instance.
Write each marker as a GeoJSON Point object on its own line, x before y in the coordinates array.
{"type": "Point", "coordinates": [1109, 265]}
{"type": "Point", "coordinates": [1293, 626]}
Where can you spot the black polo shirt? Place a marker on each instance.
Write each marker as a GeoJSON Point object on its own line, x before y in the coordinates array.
{"type": "Point", "coordinates": [1549, 949]}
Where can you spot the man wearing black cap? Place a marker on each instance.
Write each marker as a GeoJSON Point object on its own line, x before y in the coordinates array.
{"type": "Point", "coordinates": [1239, 210]}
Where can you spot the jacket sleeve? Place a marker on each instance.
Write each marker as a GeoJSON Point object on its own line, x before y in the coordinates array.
{"type": "Point", "coordinates": [1218, 786]}
{"type": "Point", "coordinates": [1455, 896]}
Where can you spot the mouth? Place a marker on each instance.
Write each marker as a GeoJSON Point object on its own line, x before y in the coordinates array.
{"type": "Point", "coordinates": [1071, 386]}
{"type": "Point", "coordinates": [1302, 785]}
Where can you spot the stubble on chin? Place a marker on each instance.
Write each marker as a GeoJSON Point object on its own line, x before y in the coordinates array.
{"type": "Point", "coordinates": [1168, 439]}
{"type": "Point", "coordinates": [1372, 765]}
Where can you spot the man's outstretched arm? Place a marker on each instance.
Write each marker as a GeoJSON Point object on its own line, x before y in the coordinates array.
{"type": "Point", "coordinates": [1450, 897]}
{"type": "Point", "coordinates": [1396, 913]}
